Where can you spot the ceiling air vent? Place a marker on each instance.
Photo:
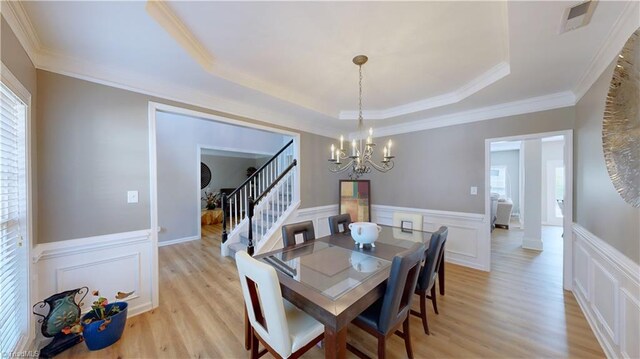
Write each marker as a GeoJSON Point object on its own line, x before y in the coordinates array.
{"type": "Point", "coordinates": [577, 16]}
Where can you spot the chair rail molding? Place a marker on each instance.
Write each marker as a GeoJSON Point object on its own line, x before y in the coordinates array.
{"type": "Point", "coordinates": [607, 287]}
{"type": "Point", "coordinates": [467, 242]}
{"type": "Point", "coordinates": [318, 215]}
{"type": "Point", "coordinates": [111, 263]}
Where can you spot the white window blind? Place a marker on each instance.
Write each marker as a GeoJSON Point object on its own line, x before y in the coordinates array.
{"type": "Point", "coordinates": [14, 297]}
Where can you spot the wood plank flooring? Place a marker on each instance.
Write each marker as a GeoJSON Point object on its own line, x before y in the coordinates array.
{"type": "Point", "coordinates": [517, 310]}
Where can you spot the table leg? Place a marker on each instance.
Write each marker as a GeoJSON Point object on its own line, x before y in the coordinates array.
{"type": "Point", "coordinates": [335, 343]}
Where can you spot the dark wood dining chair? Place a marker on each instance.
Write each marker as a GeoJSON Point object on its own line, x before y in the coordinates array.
{"type": "Point", "coordinates": [290, 231]}
{"type": "Point", "coordinates": [341, 219]}
{"type": "Point", "coordinates": [440, 267]}
{"type": "Point", "coordinates": [383, 318]}
{"type": "Point", "coordinates": [428, 274]}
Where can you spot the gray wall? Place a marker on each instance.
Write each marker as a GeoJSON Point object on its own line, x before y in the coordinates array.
{"type": "Point", "coordinates": [17, 61]}
{"type": "Point", "coordinates": [177, 140]}
{"type": "Point", "coordinates": [597, 206]}
{"type": "Point", "coordinates": [510, 159]}
{"type": "Point", "coordinates": [93, 143]}
{"type": "Point", "coordinates": [226, 172]}
{"type": "Point", "coordinates": [435, 168]}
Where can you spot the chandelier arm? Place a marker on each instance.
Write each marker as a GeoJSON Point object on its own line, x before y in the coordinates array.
{"type": "Point", "coordinates": [335, 168]}
{"type": "Point", "coordinates": [384, 168]}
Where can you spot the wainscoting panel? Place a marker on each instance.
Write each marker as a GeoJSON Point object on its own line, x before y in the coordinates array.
{"type": "Point", "coordinates": [110, 263]}
{"type": "Point", "coordinates": [466, 244]}
{"type": "Point", "coordinates": [607, 287]}
{"type": "Point", "coordinates": [320, 217]}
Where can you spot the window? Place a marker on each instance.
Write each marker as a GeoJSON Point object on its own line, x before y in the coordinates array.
{"type": "Point", "coordinates": [499, 180]}
{"type": "Point", "coordinates": [14, 242]}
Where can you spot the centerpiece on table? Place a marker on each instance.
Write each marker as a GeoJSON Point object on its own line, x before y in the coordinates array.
{"type": "Point", "coordinates": [104, 324]}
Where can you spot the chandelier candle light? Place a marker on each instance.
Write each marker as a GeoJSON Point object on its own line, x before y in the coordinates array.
{"type": "Point", "coordinates": [360, 160]}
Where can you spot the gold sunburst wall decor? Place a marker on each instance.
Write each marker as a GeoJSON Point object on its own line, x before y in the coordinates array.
{"type": "Point", "coordinates": [621, 123]}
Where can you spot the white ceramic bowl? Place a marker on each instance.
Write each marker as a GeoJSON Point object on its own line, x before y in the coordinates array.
{"type": "Point", "coordinates": [364, 232]}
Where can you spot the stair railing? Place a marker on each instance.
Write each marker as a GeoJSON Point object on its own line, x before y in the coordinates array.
{"type": "Point", "coordinates": [239, 204]}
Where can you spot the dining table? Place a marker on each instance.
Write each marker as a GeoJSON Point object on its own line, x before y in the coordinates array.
{"type": "Point", "coordinates": [334, 280]}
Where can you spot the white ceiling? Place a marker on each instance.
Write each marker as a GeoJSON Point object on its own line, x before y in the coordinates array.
{"type": "Point", "coordinates": [290, 62]}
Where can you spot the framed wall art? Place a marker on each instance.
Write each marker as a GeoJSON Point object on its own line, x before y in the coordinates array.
{"type": "Point", "coordinates": [355, 199]}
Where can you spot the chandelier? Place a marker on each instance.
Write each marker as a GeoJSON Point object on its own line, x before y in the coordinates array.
{"type": "Point", "coordinates": [359, 159]}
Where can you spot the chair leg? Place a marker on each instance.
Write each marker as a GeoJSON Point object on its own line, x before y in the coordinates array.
{"type": "Point", "coordinates": [441, 276]}
{"type": "Point", "coordinates": [247, 330]}
{"type": "Point", "coordinates": [407, 338]}
{"type": "Point", "coordinates": [382, 347]}
{"type": "Point", "coordinates": [255, 344]}
{"type": "Point", "coordinates": [423, 312]}
{"type": "Point", "coordinates": [433, 299]}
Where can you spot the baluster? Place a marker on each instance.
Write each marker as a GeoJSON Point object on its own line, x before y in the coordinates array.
{"type": "Point", "coordinates": [224, 217]}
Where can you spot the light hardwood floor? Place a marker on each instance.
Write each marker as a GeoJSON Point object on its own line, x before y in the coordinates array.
{"type": "Point", "coordinates": [517, 310]}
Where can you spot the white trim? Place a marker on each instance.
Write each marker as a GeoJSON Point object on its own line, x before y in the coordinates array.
{"type": "Point", "coordinates": [310, 211]}
{"type": "Point", "coordinates": [624, 26]}
{"type": "Point", "coordinates": [533, 104]}
{"type": "Point", "coordinates": [487, 78]}
{"type": "Point", "coordinates": [466, 235]}
{"type": "Point", "coordinates": [567, 268]}
{"type": "Point", "coordinates": [152, 86]}
{"type": "Point", "coordinates": [433, 212]}
{"type": "Point", "coordinates": [68, 247]}
{"type": "Point", "coordinates": [619, 290]}
{"type": "Point", "coordinates": [162, 13]}
{"type": "Point", "coordinates": [178, 241]}
{"type": "Point", "coordinates": [21, 25]}
{"type": "Point", "coordinates": [153, 108]}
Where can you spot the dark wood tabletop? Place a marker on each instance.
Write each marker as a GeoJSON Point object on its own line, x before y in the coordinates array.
{"type": "Point", "coordinates": [337, 313]}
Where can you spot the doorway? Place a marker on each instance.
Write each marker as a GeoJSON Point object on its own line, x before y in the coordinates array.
{"type": "Point", "coordinates": [531, 180]}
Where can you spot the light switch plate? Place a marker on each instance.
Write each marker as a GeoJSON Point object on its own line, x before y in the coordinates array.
{"type": "Point", "coordinates": [132, 196]}
{"type": "Point", "coordinates": [474, 191]}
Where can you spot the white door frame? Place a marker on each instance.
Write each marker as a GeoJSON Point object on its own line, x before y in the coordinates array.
{"type": "Point", "coordinates": [199, 149]}
{"type": "Point", "coordinates": [567, 262]}
{"type": "Point", "coordinates": [153, 108]}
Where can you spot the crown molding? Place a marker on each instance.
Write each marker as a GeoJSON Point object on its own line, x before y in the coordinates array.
{"type": "Point", "coordinates": [80, 69]}
{"type": "Point", "coordinates": [534, 104]}
{"type": "Point", "coordinates": [19, 22]}
{"type": "Point", "coordinates": [162, 13]}
{"type": "Point", "coordinates": [625, 25]}
{"type": "Point", "coordinates": [166, 17]}
{"type": "Point", "coordinates": [488, 78]}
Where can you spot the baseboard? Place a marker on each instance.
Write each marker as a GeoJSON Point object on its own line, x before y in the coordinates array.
{"type": "Point", "coordinates": [607, 287]}
{"type": "Point", "coordinates": [532, 243]}
{"type": "Point", "coordinates": [109, 263]}
{"type": "Point", "coordinates": [467, 245]}
{"type": "Point", "coordinates": [177, 241]}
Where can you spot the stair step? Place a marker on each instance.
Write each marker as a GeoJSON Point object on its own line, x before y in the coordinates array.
{"type": "Point", "coordinates": [235, 248]}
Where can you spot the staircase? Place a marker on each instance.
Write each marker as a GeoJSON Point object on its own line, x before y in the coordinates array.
{"type": "Point", "coordinates": [257, 208]}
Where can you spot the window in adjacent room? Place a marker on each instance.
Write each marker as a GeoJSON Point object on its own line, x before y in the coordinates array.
{"type": "Point", "coordinates": [14, 240]}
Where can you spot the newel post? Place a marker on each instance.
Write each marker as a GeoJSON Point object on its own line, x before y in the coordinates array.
{"type": "Point", "coordinates": [250, 205]}
{"type": "Point", "coordinates": [225, 205]}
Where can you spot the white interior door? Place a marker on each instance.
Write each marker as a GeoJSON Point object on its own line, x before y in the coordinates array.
{"type": "Point", "coordinates": [554, 192]}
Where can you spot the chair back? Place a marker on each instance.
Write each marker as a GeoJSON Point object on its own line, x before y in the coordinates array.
{"type": "Point", "coordinates": [441, 255]}
{"type": "Point", "coordinates": [341, 219]}
{"type": "Point", "coordinates": [290, 231]}
{"type": "Point", "coordinates": [264, 303]}
{"type": "Point", "coordinates": [415, 219]}
{"type": "Point", "coordinates": [431, 263]}
{"type": "Point", "coordinates": [396, 303]}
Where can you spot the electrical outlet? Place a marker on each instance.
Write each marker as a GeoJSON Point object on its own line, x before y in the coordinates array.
{"type": "Point", "coordinates": [132, 196]}
{"type": "Point", "coordinates": [474, 191]}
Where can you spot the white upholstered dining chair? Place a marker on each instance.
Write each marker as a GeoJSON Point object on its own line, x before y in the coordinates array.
{"type": "Point", "coordinates": [413, 219]}
{"type": "Point", "coordinates": [281, 327]}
